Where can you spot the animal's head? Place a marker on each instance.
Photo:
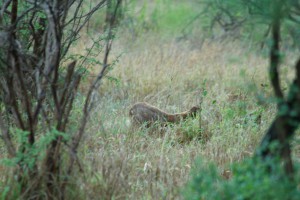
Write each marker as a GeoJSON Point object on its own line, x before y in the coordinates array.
{"type": "Point", "coordinates": [194, 109]}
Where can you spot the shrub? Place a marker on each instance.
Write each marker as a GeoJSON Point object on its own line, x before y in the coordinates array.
{"type": "Point", "coordinates": [252, 179]}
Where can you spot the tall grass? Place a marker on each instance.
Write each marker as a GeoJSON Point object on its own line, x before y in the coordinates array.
{"type": "Point", "coordinates": [122, 162]}
{"type": "Point", "coordinates": [128, 163]}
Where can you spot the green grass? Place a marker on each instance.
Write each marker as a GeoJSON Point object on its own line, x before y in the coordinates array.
{"type": "Point", "coordinates": [156, 163]}
{"type": "Point", "coordinates": [173, 17]}
{"type": "Point", "coordinates": [122, 162]}
{"type": "Point", "coordinates": [249, 179]}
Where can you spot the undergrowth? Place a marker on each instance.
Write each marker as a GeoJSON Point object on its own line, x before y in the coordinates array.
{"type": "Point", "coordinates": [250, 179]}
{"type": "Point", "coordinates": [122, 162]}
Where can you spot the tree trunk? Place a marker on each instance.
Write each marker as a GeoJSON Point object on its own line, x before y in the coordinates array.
{"type": "Point", "coordinates": [288, 116]}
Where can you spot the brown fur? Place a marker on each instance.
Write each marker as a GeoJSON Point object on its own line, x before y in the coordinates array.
{"type": "Point", "coordinates": [145, 113]}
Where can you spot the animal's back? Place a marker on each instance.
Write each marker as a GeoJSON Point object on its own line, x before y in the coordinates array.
{"type": "Point", "coordinates": [145, 113]}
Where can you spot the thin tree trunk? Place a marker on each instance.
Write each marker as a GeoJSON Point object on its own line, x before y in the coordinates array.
{"type": "Point", "coordinates": [288, 116]}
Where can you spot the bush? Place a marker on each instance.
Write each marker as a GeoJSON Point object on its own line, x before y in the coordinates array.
{"type": "Point", "coordinates": [252, 179]}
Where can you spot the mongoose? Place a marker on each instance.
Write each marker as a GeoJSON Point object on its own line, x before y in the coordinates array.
{"type": "Point", "coordinates": [145, 113]}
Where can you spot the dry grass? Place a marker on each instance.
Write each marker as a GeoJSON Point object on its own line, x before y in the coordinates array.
{"type": "Point", "coordinates": [230, 81]}
{"type": "Point", "coordinates": [123, 162]}
{"type": "Point", "coordinates": [128, 163]}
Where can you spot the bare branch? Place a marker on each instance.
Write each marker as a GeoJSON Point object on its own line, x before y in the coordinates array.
{"type": "Point", "coordinates": [77, 27]}
{"type": "Point", "coordinates": [52, 53]}
{"type": "Point", "coordinates": [68, 80]}
{"type": "Point", "coordinates": [88, 102]}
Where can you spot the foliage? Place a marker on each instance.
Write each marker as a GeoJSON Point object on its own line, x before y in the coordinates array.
{"type": "Point", "coordinates": [161, 16]}
{"type": "Point", "coordinates": [263, 176]}
{"type": "Point", "coordinates": [250, 179]}
{"type": "Point", "coordinates": [249, 20]}
{"type": "Point", "coordinates": [121, 163]}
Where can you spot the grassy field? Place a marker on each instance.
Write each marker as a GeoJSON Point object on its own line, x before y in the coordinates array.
{"type": "Point", "coordinates": [228, 80]}
{"type": "Point", "coordinates": [154, 64]}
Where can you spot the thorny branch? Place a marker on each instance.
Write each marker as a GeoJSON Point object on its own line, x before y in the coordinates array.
{"type": "Point", "coordinates": [88, 102]}
{"type": "Point", "coordinates": [35, 90]}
